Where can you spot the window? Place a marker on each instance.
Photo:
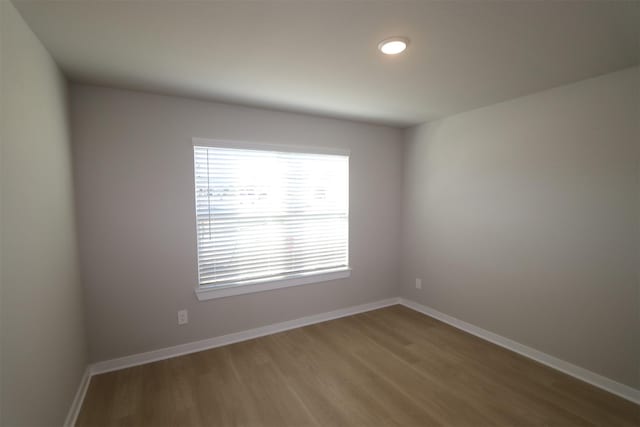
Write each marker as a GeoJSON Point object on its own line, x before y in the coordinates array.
{"type": "Point", "coordinates": [269, 217]}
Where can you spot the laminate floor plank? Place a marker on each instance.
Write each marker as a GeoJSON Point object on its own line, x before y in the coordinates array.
{"type": "Point", "coordinates": [387, 367]}
{"type": "Point", "coordinates": [380, 400]}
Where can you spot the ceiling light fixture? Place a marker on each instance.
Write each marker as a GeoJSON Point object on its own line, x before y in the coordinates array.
{"type": "Point", "coordinates": [393, 45]}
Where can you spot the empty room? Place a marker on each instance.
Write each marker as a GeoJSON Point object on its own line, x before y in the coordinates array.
{"type": "Point", "coordinates": [319, 213]}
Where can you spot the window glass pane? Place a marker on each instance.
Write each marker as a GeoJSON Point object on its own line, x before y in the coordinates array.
{"type": "Point", "coordinates": [269, 214]}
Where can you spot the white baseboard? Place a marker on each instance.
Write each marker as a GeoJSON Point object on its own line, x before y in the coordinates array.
{"type": "Point", "coordinates": [193, 347]}
{"type": "Point", "coordinates": [585, 375]}
{"type": "Point", "coordinates": [74, 410]}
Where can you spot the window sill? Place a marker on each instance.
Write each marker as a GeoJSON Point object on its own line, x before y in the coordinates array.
{"type": "Point", "coordinates": [204, 293]}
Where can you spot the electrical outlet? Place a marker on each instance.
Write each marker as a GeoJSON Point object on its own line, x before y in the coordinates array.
{"type": "Point", "coordinates": [183, 317]}
{"type": "Point", "coordinates": [418, 283]}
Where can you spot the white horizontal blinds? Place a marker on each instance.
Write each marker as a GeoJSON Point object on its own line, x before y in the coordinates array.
{"type": "Point", "coordinates": [269, 214]}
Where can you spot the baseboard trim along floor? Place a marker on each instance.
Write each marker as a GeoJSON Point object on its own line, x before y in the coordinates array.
{"type": "Point", "coordinates": [179, 350]}
{"type": "Point", "coordinates": [585, 375]}
{"type": "Point", "coordinates": [78, 399]}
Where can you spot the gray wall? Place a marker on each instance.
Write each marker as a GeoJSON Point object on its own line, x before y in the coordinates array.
{"type": "Point", "coordinates": [43, 341]}
{"type": "Point", "coordinates": [134, 180]}
{"type": "Point", "coordinates": [522, 218]}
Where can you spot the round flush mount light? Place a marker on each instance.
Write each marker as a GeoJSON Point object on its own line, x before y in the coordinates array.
{"type": "Point", "coordinates": [393, 45]}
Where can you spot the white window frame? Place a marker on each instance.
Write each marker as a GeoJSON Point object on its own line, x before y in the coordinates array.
{"type": "Point", "coordinates": [259, 285]}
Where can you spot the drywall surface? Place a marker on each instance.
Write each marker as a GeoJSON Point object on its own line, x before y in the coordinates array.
{"type": "Point", "coordinates": [134, 182]}
{"type": "Point", "coordinates": [44, 351]}
{"type": "Point", "coordinates": [523, 218]}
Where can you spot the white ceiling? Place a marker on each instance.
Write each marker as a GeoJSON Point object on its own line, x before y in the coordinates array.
{"type": "Point", "coordinates": [321, 56]}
